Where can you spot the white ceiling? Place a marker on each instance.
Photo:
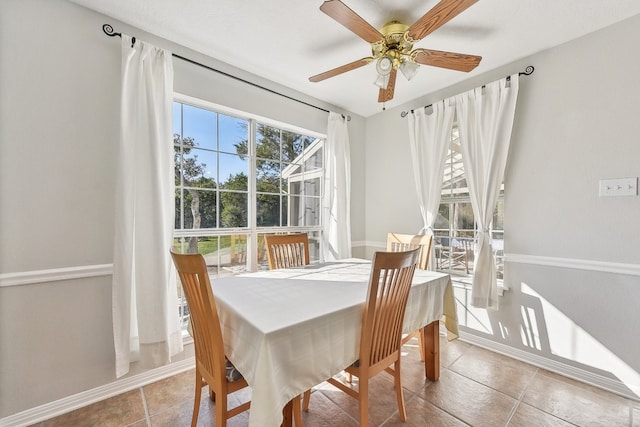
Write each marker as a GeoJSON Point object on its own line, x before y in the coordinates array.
{"type": "Point", "coordinates": [287, 41]}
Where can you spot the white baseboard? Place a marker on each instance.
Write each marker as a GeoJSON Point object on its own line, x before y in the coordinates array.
{"type": "Point", "coordinates": [76, 401]}
{"type": "Point", "coordinates": [613, 386]}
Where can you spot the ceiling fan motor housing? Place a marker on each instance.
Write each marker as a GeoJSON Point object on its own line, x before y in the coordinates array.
{"type": "Point", "coordinates": [395, 45]}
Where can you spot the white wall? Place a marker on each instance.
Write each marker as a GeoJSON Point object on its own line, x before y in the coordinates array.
{"type": "Point", "coordinates": [59, 115]}
{"type": "Point", "coordinates": [572, 257]}
{"type": "Point", "coordinates": [58, 104]}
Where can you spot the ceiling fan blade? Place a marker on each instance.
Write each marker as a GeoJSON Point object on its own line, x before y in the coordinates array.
{"type": "Point", "coordinates": [351, 20]}
{"type": "Point", "coordinates": [387, 94]}
{"type": "Point", "coordinates": [439, 15]}
{"type": "Point", "coordinates": [342, 69]}
{"type": "Point", "coordinates": [450, 60]}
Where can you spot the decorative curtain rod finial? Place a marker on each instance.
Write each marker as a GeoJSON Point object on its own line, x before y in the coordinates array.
{"type": "Point", "coordinates": [527, 71]}
{"type": "Point", "coordinates": [108, 30]}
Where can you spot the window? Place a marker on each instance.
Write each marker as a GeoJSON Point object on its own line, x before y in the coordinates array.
{"type": "Point", "coordinates": [237, 178]}
{"type": "Point", "coordinates": [455, 226]}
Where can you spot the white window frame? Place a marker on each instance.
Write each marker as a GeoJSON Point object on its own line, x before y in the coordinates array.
{"type": "Point", "coordinates": [252, 230]}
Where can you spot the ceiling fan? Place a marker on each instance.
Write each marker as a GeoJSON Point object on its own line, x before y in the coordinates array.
{"type": "Point", "coordinates": [392, 46]}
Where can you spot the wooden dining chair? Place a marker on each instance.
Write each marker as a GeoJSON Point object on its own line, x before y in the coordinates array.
{"type": "Point", "coordinates": [212, 366]}
{"type": "Point", "coordinates": [287, 250]}
{"type": "Point", "coordinates": [397, 242]}
{"type": "Point", "coordinates": [381, 335]}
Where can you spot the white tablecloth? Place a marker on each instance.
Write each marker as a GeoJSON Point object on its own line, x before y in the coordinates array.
{"type": "Point", "coordinates": [288, 330]}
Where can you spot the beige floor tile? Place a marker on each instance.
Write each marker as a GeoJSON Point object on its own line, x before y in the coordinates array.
{"type": "Point", "coordinates": [325, 413]}
{"type": "Point", "coordinates": [470, 401]}
{"type": "Point", "coordinates": [169, 392]}
{"type": "Point", "coordinates": [180, 415]}
{"type": "Point", "coordinates": [170, 402]}
{"type": "Point", "coordinates": [526, 416]}
{"type": "Point", "coordinates": [499, 372]}
{"type": "Point", "coordinates": [382, 399]}
{"type": "Point", "coordinates": [413, 373]}
{"type": "Point", "coordinates": [141, 423]}
{"type": "Point", "coordinates": [450, 351]}
{"type": "Point", "coordinates": [421, 413]}
{"type": "Point", "coordinates": [577, 403]}
{"type": "Point", "coordinates": [118, 411]}
{"type": "Point", "coordinates": [480, 388]}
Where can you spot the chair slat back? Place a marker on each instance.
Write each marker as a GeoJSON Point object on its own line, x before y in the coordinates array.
{"type": "Point", "coordinates": [205, 323]}
{"type": "Point", "coordinates": [389, 286]}
{"type": "Point", "coordinates": [287, 250]}
{"type": "Point", "coordinates": [397, 242]}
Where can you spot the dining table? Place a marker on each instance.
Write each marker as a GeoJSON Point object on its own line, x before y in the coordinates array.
{"type": "Point", "coordinates": [290, 329]}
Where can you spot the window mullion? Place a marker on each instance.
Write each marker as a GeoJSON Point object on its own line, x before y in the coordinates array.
{"type": "Point", "coordinates": [252, 241]}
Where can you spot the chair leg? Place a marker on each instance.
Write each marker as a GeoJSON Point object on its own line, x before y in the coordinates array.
{"type": "Point", "coordinates": [221, 410]}
{"type": "Point", "coordinates": [363, 397]}
{"type": "Point", "coordinates": [306, 398]}
{"type": "Point", "coordinates": [421, 344]}
{"type": "Point", "coordinates": [297, 412]}
{"type": "Point", "coordinates": [196, 400]}
{"type": "Point", "coordinates": [399, 393]}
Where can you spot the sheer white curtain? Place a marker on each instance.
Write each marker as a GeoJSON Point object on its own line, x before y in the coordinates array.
{"type": "Point", "coordinates": [485, 120]}
{"type": "Point", "coordinates": [145, 306]}
{"type": "Point", "coordinates": [337, 190]}
{"type": "Point", "coordinates": [429, 135]}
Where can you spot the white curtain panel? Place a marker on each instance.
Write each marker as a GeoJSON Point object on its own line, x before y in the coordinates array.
{"type": "Point", "coordinates": [145, 306]}
{"type": "Point", "coordinates": [429, 135]}
{"type": "Point", "coordinates": [485, 120]}
{"type": "Point", "coordinates": [337, 190]}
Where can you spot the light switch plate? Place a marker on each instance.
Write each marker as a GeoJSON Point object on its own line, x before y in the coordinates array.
{"type": "Point", "coordinates": [619, 187]}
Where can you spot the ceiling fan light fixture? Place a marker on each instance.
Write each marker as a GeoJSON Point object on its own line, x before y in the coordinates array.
{"type": "Point", "coordinates": [382, 81]}
{"type": "Point", "coordinates": [384, 65]}
{"type": "Point", "coordinates": [409, 69]}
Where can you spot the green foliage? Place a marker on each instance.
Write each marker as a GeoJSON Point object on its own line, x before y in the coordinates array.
{"type": "Point", "coordinates": [275, 149]}
{"type": "Point", "coordinates": [234, 204]}
{"type": "Point", "coordinates": [186, 165]}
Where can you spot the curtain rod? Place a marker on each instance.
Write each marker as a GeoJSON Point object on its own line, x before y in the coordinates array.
{"type": "Point", "coordinates": [108, 30]}
{"type": "Point", "coordinates": [527, 72]}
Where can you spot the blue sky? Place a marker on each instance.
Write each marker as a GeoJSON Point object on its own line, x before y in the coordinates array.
{"type": "Point", "coordinates": [212, 131]}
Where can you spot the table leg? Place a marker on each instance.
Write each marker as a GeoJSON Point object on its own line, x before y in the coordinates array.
{"type": "Point", "coordinates": [287, 414]}
{"type": "Point", "coordinates": [431, 339]}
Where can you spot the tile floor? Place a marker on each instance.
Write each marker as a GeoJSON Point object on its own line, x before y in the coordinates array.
{"type": "Point", "coordinates": [476, 388]}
